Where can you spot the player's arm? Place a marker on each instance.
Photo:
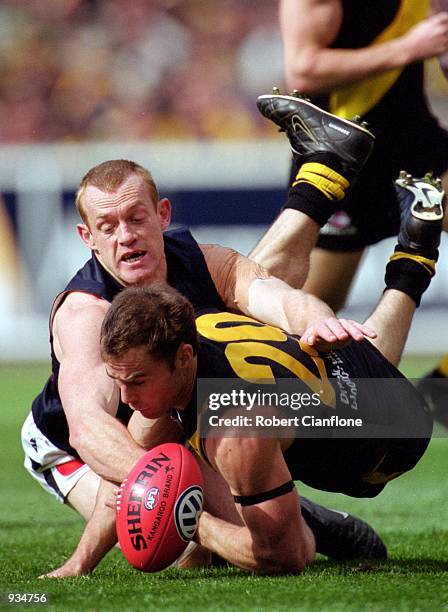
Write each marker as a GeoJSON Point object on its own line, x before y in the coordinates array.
{"type": "Point", "coordinates": [247, 286]}
{"type": "Point", "coordinates": [152, 432]}
{"type": "Point", "coordinates": [89, 397]}
{"type": "Point", "coordinates": [98, 537]}
{"type": "Point", "coordinates": [274, 537]}
{"type": "Point", "coordinates": [309, 27]}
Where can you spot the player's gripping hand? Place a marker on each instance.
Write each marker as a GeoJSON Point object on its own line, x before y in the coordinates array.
{"type": "Point", "coordinates": [115, 497]}
{"type": "Point", "coordinates": [428, 38]}
{"type": "Point", "coordinates": [333, 333]}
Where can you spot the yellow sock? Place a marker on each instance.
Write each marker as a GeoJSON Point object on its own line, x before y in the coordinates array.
{"type": "Point", "coordinates": [428, 264]}
{"type": "Point", "coordinates": [332, 184]}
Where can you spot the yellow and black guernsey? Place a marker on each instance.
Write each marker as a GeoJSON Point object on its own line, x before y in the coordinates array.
{"type": "Point", "coordinates": [354, 382]}
{"type": "Point", "coordinates": [395, 107]}
{"type": "Point", "coordinates": [366, 24]}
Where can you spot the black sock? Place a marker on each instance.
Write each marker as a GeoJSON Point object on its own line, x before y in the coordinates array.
{"type": "Point", "coordinates": [410, 272]}
{"type": "Point", "coordinates": [318, 186]}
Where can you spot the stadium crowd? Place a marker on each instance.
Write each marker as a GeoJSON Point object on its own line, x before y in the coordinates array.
{"type": "Point", "coordinates": [77, 70]}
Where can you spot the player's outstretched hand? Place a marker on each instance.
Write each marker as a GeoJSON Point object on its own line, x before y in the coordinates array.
{"type": "Point", "coordinates": [333, 333]}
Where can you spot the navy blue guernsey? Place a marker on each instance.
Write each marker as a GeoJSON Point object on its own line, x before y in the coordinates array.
{"type": "Point", "coordinates": [187, 272]}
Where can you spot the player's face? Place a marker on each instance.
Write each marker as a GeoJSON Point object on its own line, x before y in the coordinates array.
{"type": "Point", "coordinates": [148, 385]}
{"type": "Point", "coordinates": [125, 231]}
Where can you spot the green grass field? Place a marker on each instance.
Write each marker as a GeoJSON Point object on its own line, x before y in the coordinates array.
{"type": "Point", "coordinates": [37, 534]}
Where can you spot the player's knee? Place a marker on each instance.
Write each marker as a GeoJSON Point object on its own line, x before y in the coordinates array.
{"type": "Point", "coordinates": [82, 496]}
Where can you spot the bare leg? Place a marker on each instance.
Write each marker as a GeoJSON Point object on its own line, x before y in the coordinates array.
{"type": "Point", "coordinates": [82, 497]}
{"type": "Point", "coordinates": [331, 275]}
{"type": "Point", "coordinates": [285, 248]}
{"type": "Point", "coordinates": [392, 319]}
{"type": "Point", "coordinates": [324, 168]}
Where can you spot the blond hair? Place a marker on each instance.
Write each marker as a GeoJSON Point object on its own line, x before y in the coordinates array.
{"type": "Point", "coordinates": [108, 176]}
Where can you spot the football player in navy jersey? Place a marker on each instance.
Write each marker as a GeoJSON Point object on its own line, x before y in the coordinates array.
{"type": "Point", "coordinates": [155, 351]}
{"type": "Point", "coordinates": [79, 430]}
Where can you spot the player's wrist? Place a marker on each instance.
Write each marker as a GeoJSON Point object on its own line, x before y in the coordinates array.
{"type": "Point", "coordinates": [200, 537]}
{"type": "Point", "coordinates": [403, 51]}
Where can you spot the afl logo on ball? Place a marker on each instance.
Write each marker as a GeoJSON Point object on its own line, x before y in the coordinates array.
{"type": "Point", "coordinates": [187, 512]}
{"type": "Point", "coordinates": [151, 498]}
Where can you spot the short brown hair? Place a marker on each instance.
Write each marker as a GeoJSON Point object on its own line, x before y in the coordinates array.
{"type": "Point", "coordinates": [156, 316]}
{"type": "Point", "coordinates": [108, 176]}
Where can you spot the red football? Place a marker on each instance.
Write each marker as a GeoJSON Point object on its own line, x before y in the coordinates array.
{"type": "Point", "coordinates": [158, 507]}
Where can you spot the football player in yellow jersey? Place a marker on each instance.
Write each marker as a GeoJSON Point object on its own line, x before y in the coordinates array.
{"type": "Point", "coordinates": [153, 353]}
{"type": "Point", "coordinates": [254, 517]}
{"type": "Point", "coordinates": [363, 59]}
{"type": "Point", "coordinates": [152, 350]}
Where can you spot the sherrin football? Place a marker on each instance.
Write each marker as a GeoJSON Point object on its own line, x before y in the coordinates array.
{"type": "Point", "coordinates": [158, 507]}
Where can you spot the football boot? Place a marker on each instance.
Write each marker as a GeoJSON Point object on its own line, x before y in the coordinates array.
{"type": "Point", "coordinates": [341, 536]}
{"type": "Point", "coordinates": [434, 388]}
{"type": "Point", "coordinates": [312, 130]}
{"type": "Point", "coordinates": [422, 204]}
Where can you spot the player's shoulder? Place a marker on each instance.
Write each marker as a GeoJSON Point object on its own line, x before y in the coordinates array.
{"type": "Point", "coordinates": [81, 301]}
{"type": "Point", "coordinates": [210, 250]}
{"type": "Point", "coordinates": [77, 309]}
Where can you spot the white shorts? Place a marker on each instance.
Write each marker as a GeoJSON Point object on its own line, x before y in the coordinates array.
{"type": "Point", "coordinates": [54, 469]}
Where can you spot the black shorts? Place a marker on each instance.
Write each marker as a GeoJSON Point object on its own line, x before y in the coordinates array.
{"type": "Point", "coordinates": [361, 467]}
{"type": "Point", "coordinates": [370, 211]}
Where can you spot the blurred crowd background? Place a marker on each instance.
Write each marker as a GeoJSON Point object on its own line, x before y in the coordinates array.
{"type": "Point", "coordinates": [77, 70]}
{"type": "Point", "coordinates": [86, 80]}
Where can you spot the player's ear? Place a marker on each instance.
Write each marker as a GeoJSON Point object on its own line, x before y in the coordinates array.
{"type": "Point", "coordinates": [164, 212]}
{"type": "Point", "coordinates": [184, 356]}
{"type": "Point", "coordinates": [85, 235]}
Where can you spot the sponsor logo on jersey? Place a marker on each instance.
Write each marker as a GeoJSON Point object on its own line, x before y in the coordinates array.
{"type": "Point", "coordinates": [187, 512]}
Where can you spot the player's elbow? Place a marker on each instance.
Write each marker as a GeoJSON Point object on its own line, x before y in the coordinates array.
{"type": "Point", "coordinates": [74, 440]}
{"type": "Point", "coordinates": [302, 74]}
{"type": "Point", "coordinates": [77, 439]}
